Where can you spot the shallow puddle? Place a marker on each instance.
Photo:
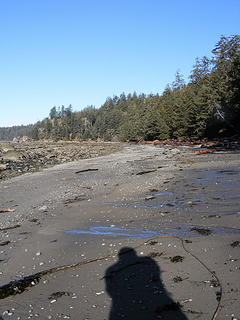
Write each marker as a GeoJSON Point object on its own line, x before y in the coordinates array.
{"type": "Point", "coordinates": [179, 231]}
{"type": "Point", "coordinates": [208, 192]}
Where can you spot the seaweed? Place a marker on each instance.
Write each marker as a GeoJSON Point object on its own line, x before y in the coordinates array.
{"type": "Point", "coordinates": [202, 231]}
{"type": "Point", "coordinates": [235, 244]}
{"type": "Point", "coordinates": [59, 294]}
{"type": "Point", "coordinates": [177, 259]}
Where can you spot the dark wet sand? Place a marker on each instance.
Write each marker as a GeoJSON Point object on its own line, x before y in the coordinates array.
{"type": "Point", "coordinates": [181, 218]}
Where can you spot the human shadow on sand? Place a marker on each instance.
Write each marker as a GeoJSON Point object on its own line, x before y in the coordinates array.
{"type": "Point", "coordinates": [137, 291]}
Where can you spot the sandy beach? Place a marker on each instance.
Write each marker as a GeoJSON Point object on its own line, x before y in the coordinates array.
{"type": "Point", "coordinates": [148, 232]}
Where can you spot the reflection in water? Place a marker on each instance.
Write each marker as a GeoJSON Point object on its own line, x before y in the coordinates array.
{"type": "Point", "coordinates": [135, 286]}
{"type": "Point", "coordinates": [180, 231]}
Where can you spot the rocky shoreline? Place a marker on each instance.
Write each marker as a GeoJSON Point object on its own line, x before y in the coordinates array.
{"type": "Point", "coordinates": [17, 158]}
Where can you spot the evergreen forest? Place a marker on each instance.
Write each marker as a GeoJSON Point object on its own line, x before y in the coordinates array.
{"type": "Point", "coordinates": [207, 106]}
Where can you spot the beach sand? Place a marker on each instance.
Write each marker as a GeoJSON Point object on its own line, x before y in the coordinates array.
{"type": "Point", "coordinates": [177, 212]}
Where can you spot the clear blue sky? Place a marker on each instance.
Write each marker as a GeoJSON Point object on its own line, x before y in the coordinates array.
{"type": "Point", "coordinates": [61, 52]}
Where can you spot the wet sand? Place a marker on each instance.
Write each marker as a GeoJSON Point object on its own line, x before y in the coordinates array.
{"type": "Point", "coordinates": [178, 210]}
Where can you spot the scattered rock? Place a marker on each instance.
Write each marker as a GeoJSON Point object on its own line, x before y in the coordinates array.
{"type": "Point", "coordinates": [5, 147]}
{"type": "Point", "coordinates": [3, 166]}
{"type": "Point", "coordinates": [12, 155]}
{"type": "Point", "coordinates": [43, 209]}
{"type": "Point", "coordinates": [29, 156]}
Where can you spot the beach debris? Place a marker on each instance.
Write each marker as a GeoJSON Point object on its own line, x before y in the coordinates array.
{"type": "Point", "coordinates": [4, 243]}
{"type": "Point", "coordinates": [152, 243]}
{"type": "Point", "coordinates": [170, 204]}
{"type": "Point", "coordinates": [145, 171]}
{"type": "Point", "coordinates": [86, 170]}
{"type": "Point", "coordinates": [80, 197]}
{"type": "Point", "coordinates": [204, 151]}
{"type": "Point", "coordinates": [235, 244]}
{"type": "Point", "coordinates": [34, 220]}
{"type": "Point", "coordinates": [186, 300]}
{"type": "Point", "coordinates": [6, 210]}
{"type": "Point", "coordinates": [177, 279]}
{"type": "Point", "coordinates": [193, 311]}
{"type": "Point", "coordinates": [155, 254]}
{"type": "Point", "coordinates": [84, 187]}
{"type": "Point", "coordinates": [218, 295]}
{"type": "Point", "coordinates": [7, 313]}
{"type": "Point", "coordinates": [149, 198]}
{"type": "Point", "coordinates": [210, 216]}
{"type": "Point", "coordinates": [19, 286]}
{"type": "Point", "coordinates": [10, 228]}
{"type": "Point", "coordinates": [177, 259]}
{"type": "Point", "coordinates": [59, 294]}
{"type": "Point", "coordinates": [202, 231]}
{"type": "Point", "coordinates": [214, 283]}
{"type": "Point", "coordinates": [25, 232]}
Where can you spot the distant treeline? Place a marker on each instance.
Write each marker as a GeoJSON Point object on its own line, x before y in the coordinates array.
{"type": "Point", "coordinates": [207, 106]}
{"type": "Point", "coordinates": [9, 133]}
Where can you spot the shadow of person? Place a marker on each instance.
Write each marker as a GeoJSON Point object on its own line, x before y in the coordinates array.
{"type": "Point", "coordinates": [136, 289]}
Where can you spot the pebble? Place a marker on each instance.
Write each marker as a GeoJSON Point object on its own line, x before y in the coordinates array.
{"type": "Point", "coordinates": [43, 209]}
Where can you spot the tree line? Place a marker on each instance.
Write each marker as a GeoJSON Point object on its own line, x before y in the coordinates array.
{"type": "Point", "coordinates": [207, 106]}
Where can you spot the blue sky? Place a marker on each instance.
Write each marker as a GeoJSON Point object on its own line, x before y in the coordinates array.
{"type": "Point", "coordinates": [79, 52]}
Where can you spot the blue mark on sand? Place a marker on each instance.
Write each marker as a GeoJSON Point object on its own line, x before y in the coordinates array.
{"type": "Point", "coordinates": [179, 231]}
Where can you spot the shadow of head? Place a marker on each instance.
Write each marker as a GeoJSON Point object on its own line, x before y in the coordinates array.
{"type": "Point", "coordinates": [137, 291]}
